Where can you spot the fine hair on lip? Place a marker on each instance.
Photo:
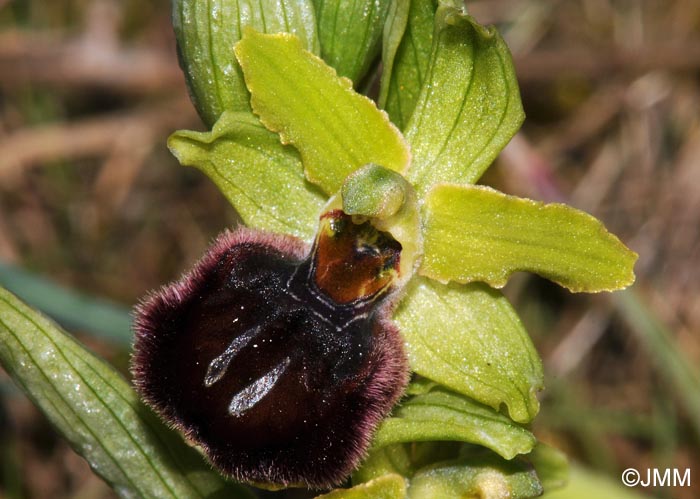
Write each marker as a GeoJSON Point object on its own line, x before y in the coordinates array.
{"type": "Point", "coordinates": [273, 384]}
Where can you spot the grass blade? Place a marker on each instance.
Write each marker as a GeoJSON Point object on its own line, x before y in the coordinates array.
{"type": "Point", "coordinates": [97, 411]}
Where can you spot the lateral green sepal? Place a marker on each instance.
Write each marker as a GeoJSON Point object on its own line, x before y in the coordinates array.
{"type": "Point", "coordinates": [474, 233]}
{"type": "Point", "coordinates": [263, 179]}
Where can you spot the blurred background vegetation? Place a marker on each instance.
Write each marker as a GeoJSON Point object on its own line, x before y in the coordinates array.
{"type": "Point", "coordinates": [94, 211]}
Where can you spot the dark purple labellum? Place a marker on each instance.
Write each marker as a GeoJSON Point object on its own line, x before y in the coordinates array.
{"type": "Point", "coordinates": [278, 363]}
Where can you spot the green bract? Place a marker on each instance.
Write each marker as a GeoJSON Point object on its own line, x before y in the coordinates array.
{"type": "Point", "coordinates": [442, 415]}
{"type": "Point", "coordinates": [405, 55]}
{"type": "Point", "coordinates": [469, 104]}
{"type": "Point", "coordinates": [475, 477]}
{"type": "Point", "coordinates": [290, 138]}
{"type": "Point", "coordinates": [351, 34]}
{"type": "Point", "coordinates": [551, 465]}
{"type": "Point", "coordinates": [470, 339]}
{"type": "Point", "coordinates": [435, 470]}
{"type": "Point", "coordinates": [207, 31]}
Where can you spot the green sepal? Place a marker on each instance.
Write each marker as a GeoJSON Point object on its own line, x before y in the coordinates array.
{"type": "Point", "coordinates": [206, 33]}
{"type": "Point", "coordinates": [408, 36]}
{"type": "Point", "coordinates": [99, 414]}
{"type": "Point", "coordinates": [350, 32]}
{"type": "Point", "coordinates": [263, 179]}
{"type": "Point", "coordinates": [335, 129]}
{"type": "Point", "coordinates": [474, 233]}
{"type": "Point", "coordinates": [390, 486]}
{"type": "Point", "coordinates": [469, 105]}
{"type": "Point", "coordinates": [470, 339]}
{"type": "Point", "coordinates": [441, 415]}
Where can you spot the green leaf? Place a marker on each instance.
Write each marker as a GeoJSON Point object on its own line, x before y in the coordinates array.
{"type": "Point", "coordinates": [483, 476]}
{"type": "Point", "coordinates": [474, 233]}
{"type": "Point", "coordinates": [98, 413]}
{"type": "Point", "coordinates": [408, 37]}
{"type": "Point", "coordinates": [551, 465]}
{"type": "Point", "coordinates": [469, 106]}
{"type": "Point", "coordinates": [206, 33]}
{"type": "Point", "coordinates": [443, 415]}
{"type": "Point", "coordinates": [261, 178]}
{"type": "Point", "coordinates": [384, 487]}
{"type": "Point", "coordinates": [335, 129]}
{"type": "Point", "coordinates": [470, 339]}
{"type": "Point", "coordinates": [350, 32]}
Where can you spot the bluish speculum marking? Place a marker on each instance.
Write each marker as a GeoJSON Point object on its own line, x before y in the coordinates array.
{"type": "Point", "coordinates": [253, 393]}
{"type": "Point", "coordinates": [349, 267]}
{"type": "Point", "coordinates": [218, 366]}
